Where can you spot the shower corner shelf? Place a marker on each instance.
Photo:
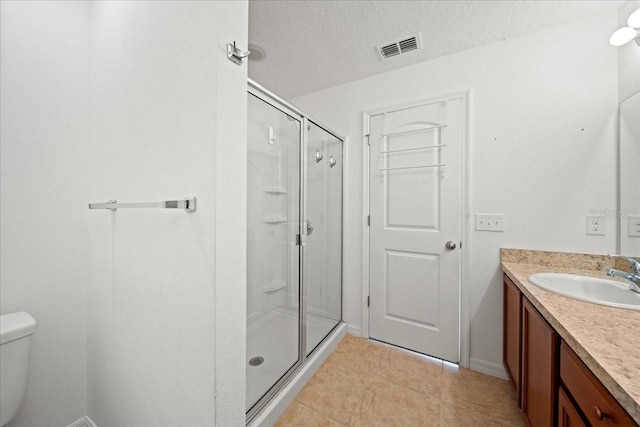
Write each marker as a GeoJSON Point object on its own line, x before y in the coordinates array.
{"type": "Point", "coordinates": [276, 219]}
{"type": "Point", "coordinates": [274, 286]}
{"type": "Point", "coordinates": [275, 190]}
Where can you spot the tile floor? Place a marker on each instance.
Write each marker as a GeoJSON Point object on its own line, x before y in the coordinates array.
{"type": "Point", "coordinates": [365, 383]}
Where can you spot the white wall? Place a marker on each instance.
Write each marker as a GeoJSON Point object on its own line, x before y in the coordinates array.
{"type": "Point", "coordinates": [167, 291]}
{"type": "Point", "coordinates": [44, 105]}
{"type": "Point", "coordinates": [628, 56]}
{"type": "Point", "coordinates": [542, 136]}
{"type": "Point", "coordinates": [135, 101]}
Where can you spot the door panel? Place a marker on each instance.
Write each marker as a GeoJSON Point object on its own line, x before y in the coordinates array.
{"type": "Point", "coordinates": [415, 163]}
{"type": "Point", "coordinates": [411, 196]}
{"type": "Point", "coordinates": [407, 300]}
{"type": "Point", "coordinates": [403, 208]}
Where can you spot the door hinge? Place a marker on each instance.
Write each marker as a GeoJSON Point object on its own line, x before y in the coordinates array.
{"type": "Point", "coordinates": [368, 220]}
{"type": "Point", "coordinates": [369, 301]}
{"type": "Point", "coordinates": [298, 240]}
{"type": "Point", "coordinates": [368, 141]}
{"type": "Point", "coordinates": [460, 244]}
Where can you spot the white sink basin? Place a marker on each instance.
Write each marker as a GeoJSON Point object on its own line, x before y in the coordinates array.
{"type": "Point", "coordinates": [591, 289]}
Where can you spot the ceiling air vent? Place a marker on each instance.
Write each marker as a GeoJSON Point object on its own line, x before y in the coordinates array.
{"type": "Point", "coordinates": [400, 46]}
{"type": "Point", "coordinates": [390, 50]}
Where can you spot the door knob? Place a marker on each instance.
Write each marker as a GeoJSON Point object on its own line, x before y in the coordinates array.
{"type": "Point", "coordinates": [450, 245]}
{"type": "Point", "coordinates": [309, 228]}
{"type": "Point", "coordinates": [319, 156]}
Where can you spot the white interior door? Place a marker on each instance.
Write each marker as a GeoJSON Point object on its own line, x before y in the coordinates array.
{"type": "Point", "coordinates": [415, 164]}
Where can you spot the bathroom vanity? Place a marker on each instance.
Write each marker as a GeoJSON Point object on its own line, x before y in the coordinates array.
{"type": "Point", "coordinates": [572, 363]}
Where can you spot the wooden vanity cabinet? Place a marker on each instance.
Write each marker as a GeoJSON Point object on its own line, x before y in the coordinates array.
{"type": "Point", "coordinates": [539, 382]}
{"type": "Point", "coordinates": [553, 385]}
{"type": "Point", "coordinates": [511, 349]}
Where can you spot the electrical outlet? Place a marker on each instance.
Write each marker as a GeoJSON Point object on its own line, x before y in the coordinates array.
{"type": "Point", "coordinates": [634, 227]}
{"type": "Point", "coordinates": [490, 222]}
{"type": "Point", "coordinates": [595, 225]}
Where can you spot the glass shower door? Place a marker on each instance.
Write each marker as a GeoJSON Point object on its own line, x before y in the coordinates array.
{"type": "Point", "coordinates": [273, 258]}
{"type": "Point", "coordinates": [323, 249]}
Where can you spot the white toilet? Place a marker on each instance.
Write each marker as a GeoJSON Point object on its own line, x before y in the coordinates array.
{"type": "Point", "coordinates": [15, 341]}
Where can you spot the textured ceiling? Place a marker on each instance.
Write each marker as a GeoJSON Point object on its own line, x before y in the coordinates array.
{"type": "Point", "coordinates": [312, 45]}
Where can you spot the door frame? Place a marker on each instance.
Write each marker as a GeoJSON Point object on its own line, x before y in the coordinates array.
{"type": "Point", "coordinates": [465, 213]}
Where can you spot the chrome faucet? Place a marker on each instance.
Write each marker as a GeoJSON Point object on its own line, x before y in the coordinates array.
{"type": "Point", "coordinates": [633, 278]}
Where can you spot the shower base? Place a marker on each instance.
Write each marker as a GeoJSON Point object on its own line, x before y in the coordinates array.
{"type": "Point", "coordinates": [279, 350]}
{"type": "Point", "coordinates": [269, 415]}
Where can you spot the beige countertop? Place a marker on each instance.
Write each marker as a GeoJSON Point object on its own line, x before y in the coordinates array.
{"type": "Point", "coordinates": [607, 339]}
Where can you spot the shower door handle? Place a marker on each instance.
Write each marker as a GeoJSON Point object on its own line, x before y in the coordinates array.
{"type": "Point", "coordinates": [309, 228]}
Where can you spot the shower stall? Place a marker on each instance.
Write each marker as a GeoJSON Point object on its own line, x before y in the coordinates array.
{"type": "Point", "coordinates": [294, 242]}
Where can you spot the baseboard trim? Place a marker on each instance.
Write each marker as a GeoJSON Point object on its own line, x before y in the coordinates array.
{"type": "Point", "coordinates": [83, 422]}
{"type": "Point", "coordinates": [354, 330]}
{"type": "Point", "coordinates": [489, 368]}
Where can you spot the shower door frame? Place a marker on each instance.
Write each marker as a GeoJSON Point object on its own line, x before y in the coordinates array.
{"type": "Point", "coordinates": [255, 89]}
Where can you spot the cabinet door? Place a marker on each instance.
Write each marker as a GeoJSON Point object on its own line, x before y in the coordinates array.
{"type": "Point", "coordinates": [511, 333]}
{"type": "Point", "coordinates": [539, 367]}
{"type": "Point", "coordinates": [568, 415]}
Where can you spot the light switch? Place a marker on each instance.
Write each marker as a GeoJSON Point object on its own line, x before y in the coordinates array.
{"type": "Point", "coordinates": [490, 222]}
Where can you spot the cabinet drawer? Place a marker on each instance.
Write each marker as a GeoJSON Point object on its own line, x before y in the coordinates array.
{"type": "Point", "coordinates": [595, 402]}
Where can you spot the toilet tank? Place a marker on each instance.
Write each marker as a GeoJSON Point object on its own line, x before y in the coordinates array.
{"type": "Point", "coordinates": [15, 342]}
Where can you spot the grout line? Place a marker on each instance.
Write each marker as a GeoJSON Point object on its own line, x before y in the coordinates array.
{"type": "Point", "coordinates": [321, 413]}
